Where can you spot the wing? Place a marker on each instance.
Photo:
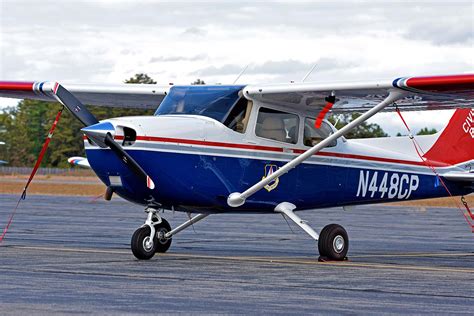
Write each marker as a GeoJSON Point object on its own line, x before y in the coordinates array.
{"type": "Point", "coordinates": [144, 96]}
{"type": "Point", "coordinates": [422, 93]}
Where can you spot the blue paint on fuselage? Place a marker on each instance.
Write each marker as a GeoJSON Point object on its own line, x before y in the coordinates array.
{"type": "Point", "coordinates": [201, 182]}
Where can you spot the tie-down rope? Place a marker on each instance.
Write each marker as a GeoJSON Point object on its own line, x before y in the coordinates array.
{"type": "Point", "coordinates": [468, 215]}
{"type": "Point", "coordinates": [35, 168]}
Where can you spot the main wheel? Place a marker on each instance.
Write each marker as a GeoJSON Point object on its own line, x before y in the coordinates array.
{"type": "Point", "coordinates": [142, 247]}
{"type": "Point", "coordinates": [162, 244]}
{"type": "Point", "coordinates": [333, 242]}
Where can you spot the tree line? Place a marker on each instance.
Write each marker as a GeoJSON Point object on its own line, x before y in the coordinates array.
{"type": "Point", "coordinates": [23, 129]}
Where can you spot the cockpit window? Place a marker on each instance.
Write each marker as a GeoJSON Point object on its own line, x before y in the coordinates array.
{"type": "Point", "coordinates": [277, 125]}
{"type": "Point", "coordinates": [313, 135]}
{"type": "Point", "coordinates": [212, 101]}
{"type": "Point", "coordinates": [239, 116]}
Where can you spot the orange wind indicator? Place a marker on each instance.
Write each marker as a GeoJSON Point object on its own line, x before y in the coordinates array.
{"type": "Point", "coordinates": [331, 99]}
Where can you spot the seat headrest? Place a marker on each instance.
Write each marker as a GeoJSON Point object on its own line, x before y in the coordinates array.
{"type": "Point", "coordinates": [273, 123]}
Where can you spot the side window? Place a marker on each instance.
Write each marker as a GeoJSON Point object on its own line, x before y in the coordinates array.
{"type": "Point", "coordinates": [277, 125]}
{"type": "Point", "coordinates": [313, 135]}
{"type": "Point", "coordinates": [239, 116]}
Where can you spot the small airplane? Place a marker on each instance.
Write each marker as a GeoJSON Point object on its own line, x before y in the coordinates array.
{"type": "Point", "coordinates": [2, 162]}
{"type": "Point", "coordinates": [218, 149]}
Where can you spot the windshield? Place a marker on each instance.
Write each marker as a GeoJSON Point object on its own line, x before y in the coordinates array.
{"type": "Point", "coordinates": [211, 101]}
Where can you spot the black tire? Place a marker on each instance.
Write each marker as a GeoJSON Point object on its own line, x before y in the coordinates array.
{"type": "Point", "coordinates": [333, 242]}
{"type": "Point", "coordinates": [139, 249]}
{"type": "Point", "coordinates": [322, 241]}
{"type": "Point", "coordinates": [162, 244]}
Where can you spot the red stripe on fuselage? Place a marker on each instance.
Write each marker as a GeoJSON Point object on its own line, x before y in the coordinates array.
{"type": "Point", "coordinates": [448, 84]}
{"type": "Point", "coordinates": [379, 159]}
{"type": "Point", "coordinates": [16, 86]}
{"type": "Point", "coordinates": [279, 149]}
{"type": "Point", "coordinates": [204, 143]}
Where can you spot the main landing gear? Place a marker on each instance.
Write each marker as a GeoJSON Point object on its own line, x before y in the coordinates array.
{"type": "Point", "coordinates": [156, 234]}
{"type": "Point", "coordinates": [333, 242]}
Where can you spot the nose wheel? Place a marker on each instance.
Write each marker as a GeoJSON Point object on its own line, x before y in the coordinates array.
{"type": "Point", "coordinates": [155, 235]}
{"type": "Point", "coordinates": [143, 247]}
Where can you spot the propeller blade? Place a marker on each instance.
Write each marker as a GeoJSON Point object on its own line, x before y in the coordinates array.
{"type": "Point", "coordinates": [101, 133]}
{"type": "Point", "coordinates": [128, 161]}
{"type": "Point", "coordinates": [74, 105]}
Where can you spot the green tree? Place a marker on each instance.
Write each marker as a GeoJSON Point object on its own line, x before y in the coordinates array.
{"type": "Point", "coordinates": [198, 82]}
{"type": "Point", "coordinates": [140, 78]}
{"type": "Point", "coordinates": [365, 130]}
{"type": "Point", "coordinates": [427, 131]}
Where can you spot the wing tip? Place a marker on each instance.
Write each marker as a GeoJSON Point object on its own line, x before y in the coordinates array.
{"type": "Point", "coordinates": [17, 85]}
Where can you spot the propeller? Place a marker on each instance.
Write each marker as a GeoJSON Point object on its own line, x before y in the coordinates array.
{"type": "Point", "coordinates": [101, 133]}
{"type": "Point", "coordinates": [74, 105]}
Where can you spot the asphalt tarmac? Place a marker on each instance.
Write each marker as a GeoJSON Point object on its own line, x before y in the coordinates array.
{"type": "Point", "coordinates": [71, 255]}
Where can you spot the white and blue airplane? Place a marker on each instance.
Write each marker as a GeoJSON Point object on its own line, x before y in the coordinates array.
{"type": "Point", "coordinates": [2, 162]}
{"type": "Point", "coordinates": [266, 149]}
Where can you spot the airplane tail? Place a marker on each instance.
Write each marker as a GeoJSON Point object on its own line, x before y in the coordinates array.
{"type": "Point", "coordinates": [455, 143]}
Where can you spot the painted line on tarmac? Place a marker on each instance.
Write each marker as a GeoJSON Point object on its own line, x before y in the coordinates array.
{"type": "Point", "coordinates": [304, 261]}
{"type": "Point", "coordinates": [417, 254]}
{"type": "Point", "coordinates": [78, 250]}
{"type": "Point", "coordinates": [329, 263]}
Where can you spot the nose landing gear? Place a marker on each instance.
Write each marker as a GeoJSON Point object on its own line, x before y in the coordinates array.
{"type": "Point", "coordinates": [155, 236]}
{"type": "Point", "coordinates": [151, 237]}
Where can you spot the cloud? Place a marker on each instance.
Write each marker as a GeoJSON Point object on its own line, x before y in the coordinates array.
{"type": "Point", "coordinates": [82, 41]}
{"type": "Point", "coordinates": [178, 58]}
{"type": "Point", "coordinates": [287, 70]}
{"type": "Point", "coordinates": [227, 69]}
{"type": "Point", "coordinates": [443, 33]}
{"type": "Point", "coordinates": [194, 31]}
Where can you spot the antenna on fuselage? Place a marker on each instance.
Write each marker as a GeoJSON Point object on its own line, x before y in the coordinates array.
{"type": "Point", "coordinates": [309, 73]}
{"type": "Point", "coordinates": [240, 74]}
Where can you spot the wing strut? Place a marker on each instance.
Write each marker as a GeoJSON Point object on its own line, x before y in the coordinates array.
{"type": "Point", "coordinates": [237, 199]}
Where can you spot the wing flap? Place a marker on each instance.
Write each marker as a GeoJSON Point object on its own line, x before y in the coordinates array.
{"type": "Point", "coordinates": [144, 96]}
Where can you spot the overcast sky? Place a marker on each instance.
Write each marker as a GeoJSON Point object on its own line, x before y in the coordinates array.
{"type": "Point", "coordinates": [108, 41]}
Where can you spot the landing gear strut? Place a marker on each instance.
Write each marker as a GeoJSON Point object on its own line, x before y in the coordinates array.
{"type": "Point", "coordinates": [149, 238]}
{"type": "Point", "coordinates": [155, 235]}
{"type": "Point", "coordinates": [333, 242]}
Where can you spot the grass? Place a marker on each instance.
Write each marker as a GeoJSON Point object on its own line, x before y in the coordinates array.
{"type": "Point", "coordinates": [52, 185]}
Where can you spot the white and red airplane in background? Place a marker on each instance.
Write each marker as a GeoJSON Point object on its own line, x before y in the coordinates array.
{"type": "Point", "coordinates": [266, 148]}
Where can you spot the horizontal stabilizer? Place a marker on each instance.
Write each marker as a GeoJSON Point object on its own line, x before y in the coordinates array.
{"type": "Point", "coordinates": [79, 161]}
{"type": "Point", "coordinates": [459, 176]}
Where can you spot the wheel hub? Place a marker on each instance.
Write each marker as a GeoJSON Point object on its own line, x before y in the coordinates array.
{"type": "Point", "coordinates": [160, 234]}
{"type": "Point", "coordinates": [147, 243]}
{"type": "Point", "coordinates": [338, 244]}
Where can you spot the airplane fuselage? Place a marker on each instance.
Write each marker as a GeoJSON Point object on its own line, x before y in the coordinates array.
{"type": "Point", "coordinates": [196, 162]}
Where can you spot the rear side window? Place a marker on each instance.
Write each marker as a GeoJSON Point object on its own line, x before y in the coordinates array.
{"type": "Point", "coordinates": [313, 135]}
{"type": "Point", "coordinates": [277, 125]}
